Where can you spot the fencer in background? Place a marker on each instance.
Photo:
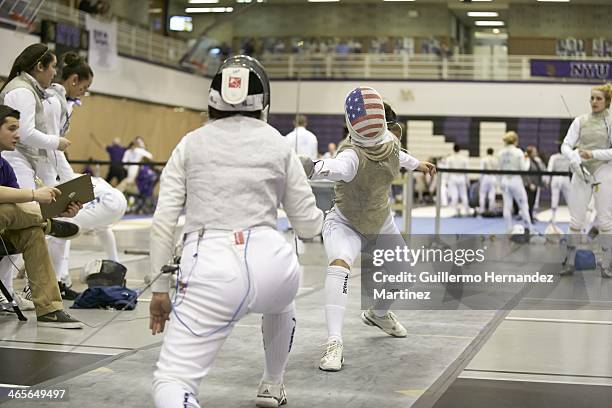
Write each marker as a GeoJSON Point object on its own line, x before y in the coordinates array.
{"type": "Point", "coordinates": [588, 147]}
{"type": "Point", "coordinates": [363, 169]}
{"type": "Point", "coordinates": [559, 185]}
{"type": "Point", "coordinates": [457, 182]}
{"type": "Point", "coordinates": [488, 183]}
{"type": "Point", "coordinates": [230, 176]}
{"type": "Point", "coordinates": [512, 158]}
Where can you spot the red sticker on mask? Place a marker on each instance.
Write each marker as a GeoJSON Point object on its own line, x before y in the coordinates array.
{"type": "Point", "coordinates": [235, 82]}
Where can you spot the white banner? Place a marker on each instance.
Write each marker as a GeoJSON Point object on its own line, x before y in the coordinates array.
{"type": "Point", "coordinates": [102, 44]}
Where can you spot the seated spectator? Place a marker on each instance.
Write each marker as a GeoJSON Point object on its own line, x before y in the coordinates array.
{"type": "Point", "coordinates": [24, 228]}
{"type": "Point", "coordinates": [331, 151]}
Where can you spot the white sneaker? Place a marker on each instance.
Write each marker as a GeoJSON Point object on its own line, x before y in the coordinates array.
{"type": "Point", "coordinates": [388, 323]}
{"type": "Point", "coordinates": [23, 303]}
{"type": "Point", "coordinates": [332, 359]}
{"type": "Point", "coordinates": [271, 395]}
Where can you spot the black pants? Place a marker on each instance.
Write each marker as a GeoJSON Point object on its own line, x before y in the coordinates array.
{"type": "Point", "coordinates": [117, 171]}
{"type": "Point", "coordinates": [531, 197]}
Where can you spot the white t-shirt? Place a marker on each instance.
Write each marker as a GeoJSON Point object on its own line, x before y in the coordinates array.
{"type": "Point", "coordinates": [303, 142]}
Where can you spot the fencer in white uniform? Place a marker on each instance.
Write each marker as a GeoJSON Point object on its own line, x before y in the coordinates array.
{"type": "Point", "coordinates": [559, 185]}
{"type": "Point", "coordinates": [457, 182]}
{"type": "Point", "coordinates": [588, 147]}
{"type": "Point", "coordinates": [363, 169]}
{"type": "Point", "coordinates": [512, 158]}
{"type": "Point", "coordinates": [488, 182]}
{"type": "Point", "coordinates": [52, 167]}
{"type": "Point", "coordinates": [230, 176]}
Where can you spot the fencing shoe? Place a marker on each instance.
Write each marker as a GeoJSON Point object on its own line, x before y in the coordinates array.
{"type": "Point", "coordinates": [332, 360]}
{"type": "Point", "coordinates": [567, 269]}
{"type": "Point", "coordinates": [388, 323]}
{"type": "Point", "coordinates": [606, 272]}
{"type": "Point", "coordinates": [271, 395]}
{"type": "Point", "coordinates": [23, 303]}
{"type": "Point", "coordinates": [59, 319]}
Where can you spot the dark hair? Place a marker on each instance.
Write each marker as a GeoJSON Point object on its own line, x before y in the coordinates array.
{"type": "Point", "coordinates": [489, 151]}
{"type": "Point", "coordinates": [217, 114]}
{"type": "Point", "coordinates": [456, 147]}
{"type": "Point", "coordinates": [390, 115]}
{"type": "Point", "coordinates": [7, 112]}
{"type": "Point", "coordinates": [73, 63]}
{"type": "Point", "coordinates": [28, 59]}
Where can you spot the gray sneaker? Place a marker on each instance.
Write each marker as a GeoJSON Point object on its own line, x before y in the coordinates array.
{"type": "Point", "coordinates": [270, 395]}
{"type": "Point", "coordinates": [606, 272]}
{"type": "Point", "coordinates": [388, 323]}
{"type": "Point", "coordinates": [59, 319]}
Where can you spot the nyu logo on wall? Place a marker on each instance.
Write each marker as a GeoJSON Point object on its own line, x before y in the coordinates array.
{"type": "Point", "coordinates": [600, 70]}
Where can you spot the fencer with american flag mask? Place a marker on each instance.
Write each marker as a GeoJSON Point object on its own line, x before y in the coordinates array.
{"type": "Point", "coordinates": [230, 176]}
{"type": "Point", "coordinates": [363, 169]}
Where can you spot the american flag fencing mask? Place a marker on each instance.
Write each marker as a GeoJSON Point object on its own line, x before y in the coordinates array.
{"type": "Point", "coordinates": [365, 116]}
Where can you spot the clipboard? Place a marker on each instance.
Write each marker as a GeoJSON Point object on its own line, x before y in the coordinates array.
{"type": "Point", "coordinates": [79, 189]}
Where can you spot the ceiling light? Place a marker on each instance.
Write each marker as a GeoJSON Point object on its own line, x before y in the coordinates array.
{"type": "Point", "coordinates": [243, 1]}
{"type": "Point", "coordinates": [203, 1]}
{"type": "Point", "coordinates": [489, 23]}
{"type": "Point", "coordinates": [323, 1]}
{"type": "Point", "coordinates": [398, 0]}
{"type": "Point", "coordinates": [483, 14]}
{"type": "Point", "coordinates": [555, 1]}
{"type": "Point", "coordinates": [496, 31]}
{"type": "Point", "coordinates": [209, 9]}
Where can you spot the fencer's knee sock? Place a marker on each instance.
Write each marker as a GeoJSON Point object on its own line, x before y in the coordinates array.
{"type": "Point", "coordinates": [573, 239]}
{"type": "Point", "coordinates": [605, 239]}
{"type": "Point", "coordinates": [6, 273]}
{"type": "Point", "coordinates": [173, 395]}
{"type": "Point", "coordinates": [336, 296]}
{"type": "Point", "coordinates": [278, 331]}
{"type": "Point", "coordinates": [59, 251]}
{"type": "Point", "coordinates": [554, 214]}
{"type": "Point", "coordinates": [106, 237]}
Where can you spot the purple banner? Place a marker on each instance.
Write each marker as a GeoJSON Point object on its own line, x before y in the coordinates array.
{"type": "Point", "coordinates": [571, 69]}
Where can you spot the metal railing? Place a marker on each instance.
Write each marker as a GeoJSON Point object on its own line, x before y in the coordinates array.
{"type": "Point", "coordinates": [131, 40]}
{"type": "Point", "coordinates": [404, 66]}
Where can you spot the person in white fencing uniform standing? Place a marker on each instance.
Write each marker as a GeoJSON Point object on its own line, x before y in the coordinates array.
{"type": "Point", "coordinates": [488, 182]}
{"type": "Point", "coordinates": [588, 147]}
{"type": "Point", "coordinates": [363, 169]}
{"type": "Point", "coordinates": [302, 140]}
{"type": "Point", "coordinates": [513, 189]}
{"type": "Point", "coordinates": [52, 167]}
{"type": "Point", "coordinates": [558, 184]}
{"type": "Point", "coordinates": [457, 182]}
{"type": "Point", "coordinates": [230, 175]}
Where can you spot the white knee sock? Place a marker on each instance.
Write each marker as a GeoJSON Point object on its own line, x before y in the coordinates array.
{"type": "Point", "coordinates": [605, 239]}
{"type": "Point", "coordinates": [106, 237]}
{"type": "Point", "coordinates": [59, 251]}
{"type": "Point", "coordinates": [573, 239]}
{"type": "Point", "coordinates": [336, 296]}
{"type": "Point", "coordinates": [173, 395]}
{"type": "Point", "coordinates": [278, 331]}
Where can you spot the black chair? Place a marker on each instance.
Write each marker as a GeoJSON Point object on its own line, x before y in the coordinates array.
{"type": "Point", "coordinates": [5, 250]}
